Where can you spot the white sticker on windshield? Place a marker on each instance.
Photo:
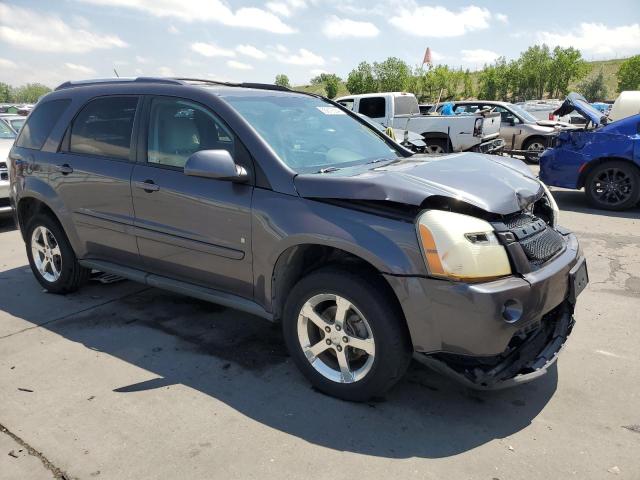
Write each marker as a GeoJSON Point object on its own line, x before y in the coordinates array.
{"type": "Point", "coordinates": [331, 110]}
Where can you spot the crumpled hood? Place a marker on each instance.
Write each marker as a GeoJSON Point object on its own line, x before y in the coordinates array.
{"type": "Point", "coordinates": [495, 184]}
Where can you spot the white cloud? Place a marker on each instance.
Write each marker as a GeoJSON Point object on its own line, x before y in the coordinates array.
{"type": "Point", "coordinates": [31, 30]}
{"type": "Point", "coordinates": [501, 17]}
{"type": "Point", "coordinates": [238, 65]}
{"type": "Point", "coordinates": [173, 30]}
{"type": "Point", "coordinates": [317, 71]}
{"type": "Point", "coordinates": [140, 59]}
{"type": "Point", "coordinates": [211, 50]}
{"type": "Point", "coordinates": [336, 27]}
{"type": "Point", "coordinates": [206, 11]}
{"type": "Point", "coordinates": [279, 8]}
{"type": "Point", "coordinates": [478, 56]}
{"type": "Point", "coordinates": [251, 51]}
{"type": "Point", "coordinates": [597, 39]}
{"type": "Point", "coordinates": [439, 21]}
{"type": "Point", "coordinates": [5, 63]}
{"type": "Point", "coordinates": [80, 68]}
{"type": "Point", "coordinates": [166, 72]}
{"type": "Point", "coordinates": [303, 57]}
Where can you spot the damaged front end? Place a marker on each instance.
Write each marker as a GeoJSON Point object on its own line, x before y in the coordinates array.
{"type": "Point", "coordinates": [529, 355]}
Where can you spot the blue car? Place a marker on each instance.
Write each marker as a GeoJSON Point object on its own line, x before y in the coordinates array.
{"type": "Point", "coordinates": [603, 158]}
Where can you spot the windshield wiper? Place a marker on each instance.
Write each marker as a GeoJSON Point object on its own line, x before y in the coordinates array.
{"type": "Point", "coordinates": [328, 169]}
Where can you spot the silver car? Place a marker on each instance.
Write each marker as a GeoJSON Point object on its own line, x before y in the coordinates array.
{"type": "Point", "coordinates": [520, 130]}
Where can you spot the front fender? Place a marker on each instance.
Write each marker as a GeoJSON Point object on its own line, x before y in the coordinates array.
{"type": "Point", "coordinates": [284, 221]}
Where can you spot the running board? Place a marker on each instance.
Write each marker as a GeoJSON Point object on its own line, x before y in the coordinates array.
{"type": "Point", "coordinates": [177, 286]}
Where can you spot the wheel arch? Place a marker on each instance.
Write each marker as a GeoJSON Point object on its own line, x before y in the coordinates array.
{"type": "Point", "coordinates": [438, 136]}
{"type": "Point", "coordinates": [301, 259]}
{"type": "Point", "coordinates": [588, 167]}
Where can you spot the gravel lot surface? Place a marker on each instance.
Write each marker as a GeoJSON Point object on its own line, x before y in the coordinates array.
{"type": "Point", "coordinates": [122, 381]}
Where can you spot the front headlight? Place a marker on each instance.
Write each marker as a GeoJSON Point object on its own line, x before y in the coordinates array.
{"type": "Point", "coordinates": [460, 247]}
{"type": "Point", "coordinates": [553, 205]}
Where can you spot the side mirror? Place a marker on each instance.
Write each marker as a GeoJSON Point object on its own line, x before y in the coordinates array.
{"type": "Point", "coordinates": [216, 164]}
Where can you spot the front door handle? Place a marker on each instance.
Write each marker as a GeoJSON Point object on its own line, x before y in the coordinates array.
{"type": "Point", "coordinates": [65, 169]}
{"type": "Point", "coordinates": [148, 186]}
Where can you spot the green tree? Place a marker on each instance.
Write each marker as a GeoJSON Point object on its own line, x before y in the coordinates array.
{"type": "Point", "coordinates": [360, 80]}
{"type": "Point", "coordinates": [282, 80]}
{"type": "Point", "coordinates": [30, 93]}
{"type": "Point", "coordinates": [566, 66]}
{"type": "Point", "coordinates": [392, 75]}
{"type": "Point", "coordinates": [467, 81]}
{"type": "Point", "coordinates": [629, 74]}
{"type": "Point", "coordinates": [324, 78]}
{"type": "Point", "coordinates": [5, 92]}
{"type": "Point", "coordinates": [331, 86]}
{"type": "Point", "coordinates": [594, 88]}
{"type": "Point", "coordinates": [535, 65]}
{"type": "Point", "coordinates": [488, 83]}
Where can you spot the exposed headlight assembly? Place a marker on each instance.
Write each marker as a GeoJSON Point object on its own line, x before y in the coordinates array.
{"type": "Point", "coordinates": [553, 205]}
{"type": "Point", "coordinates": [460, 247]}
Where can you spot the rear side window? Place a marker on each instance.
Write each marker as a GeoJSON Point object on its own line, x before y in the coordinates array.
{"type": "Point", "coordinates": [372, 107]}
{"type": "Point", "coordinates": [103, 127]}
{"type": "Point", "coordinates": [40, 123]}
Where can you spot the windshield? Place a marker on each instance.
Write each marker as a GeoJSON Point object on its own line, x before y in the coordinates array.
{"type": "Point", "coordinates": [5, 131]}
{"type": "Point", "coordinates": [521, 112]}
{"type": "Point", "coordinates": [308, 133]}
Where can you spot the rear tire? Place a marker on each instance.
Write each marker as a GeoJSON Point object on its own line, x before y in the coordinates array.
{"type": "Point", "coordinates": [52, 260]}
{"type": "Point", "coordinates": [436, 146]}
{"type": "Point", "coordinates": [613, 185]}
{"type": "Point", "coordinates": [330, 311]}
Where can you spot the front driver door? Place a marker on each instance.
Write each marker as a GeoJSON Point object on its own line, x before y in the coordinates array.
{"type": "Point", "coordinates": [191, 228]}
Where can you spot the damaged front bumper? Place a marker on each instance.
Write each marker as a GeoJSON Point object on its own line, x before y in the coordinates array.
{"type": "Point", "coordinates": [492, 146]}
{"type": "Point", "coordinates": [529, 357]}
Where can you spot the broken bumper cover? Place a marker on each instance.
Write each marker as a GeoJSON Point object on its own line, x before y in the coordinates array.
{"type": "Point", "coordinates": [525, 362]}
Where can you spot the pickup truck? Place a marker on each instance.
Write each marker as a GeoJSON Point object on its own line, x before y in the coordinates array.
{"type": "Point", "coordinates": [441, 133]}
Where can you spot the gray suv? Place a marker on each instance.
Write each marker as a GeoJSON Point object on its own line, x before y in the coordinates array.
{"type": "Point", "coordinates": [289, 206]}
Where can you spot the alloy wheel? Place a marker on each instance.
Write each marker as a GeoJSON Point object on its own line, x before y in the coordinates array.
{"type": "Point", "coordinates": [612, 186]}
{"type": "Point", "coordinates": [434, 149]}
{"type": "Point", "coordinates": [46, 254]}
{"type": "Point", "coordinates": [336, 338]}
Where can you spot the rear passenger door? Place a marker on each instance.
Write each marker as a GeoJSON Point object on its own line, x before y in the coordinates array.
{"type": "Point", "coordinates": [92, 177]}
{"type": "Point", "coordinates": [191, 228]}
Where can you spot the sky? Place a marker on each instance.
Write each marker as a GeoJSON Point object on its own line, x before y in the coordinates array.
{"type": "Point", "coordinates": [246, 40]}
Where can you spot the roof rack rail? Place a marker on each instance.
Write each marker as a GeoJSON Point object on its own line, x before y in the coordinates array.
{"type": "Point", "coordinates": [100, 81]}
{"type": "Point", "coordinates": [263, 86]}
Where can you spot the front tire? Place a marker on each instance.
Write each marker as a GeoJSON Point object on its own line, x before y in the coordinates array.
{"type": "Point", "coordinates": [345, 334]}
{"type": "Point", "coordinates": [533, 149]}
{"type": "Point", "coordinates": [52, 260]}
{"type": "Point", "coordinates": [613, 185]}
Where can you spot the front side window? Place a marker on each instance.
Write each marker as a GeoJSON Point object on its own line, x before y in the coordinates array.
{"type": "Point", "coordinates": [103, 127]}
{"type": "Point", "coordinates": [309, 134]}
{"type": "Point", "coordinates": [17, 123]}
{"type": "Point", "coordinates": [179, 128]}
{"type": "Point", "coordinates": [40, 123]}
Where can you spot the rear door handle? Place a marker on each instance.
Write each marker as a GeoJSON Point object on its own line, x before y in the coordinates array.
{"type": "Point", "coordinates": [65, 169]}
{"type": "Point", "coordinates": [148, 186]}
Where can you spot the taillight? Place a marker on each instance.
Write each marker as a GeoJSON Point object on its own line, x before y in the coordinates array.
{"type": "Point", "coordinates": [552, 117]}
{"type": "Point", "coordinates": [477, 127]}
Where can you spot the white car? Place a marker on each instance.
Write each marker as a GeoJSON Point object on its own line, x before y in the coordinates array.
{"type": "Point", "coordinates": [7, 136]}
